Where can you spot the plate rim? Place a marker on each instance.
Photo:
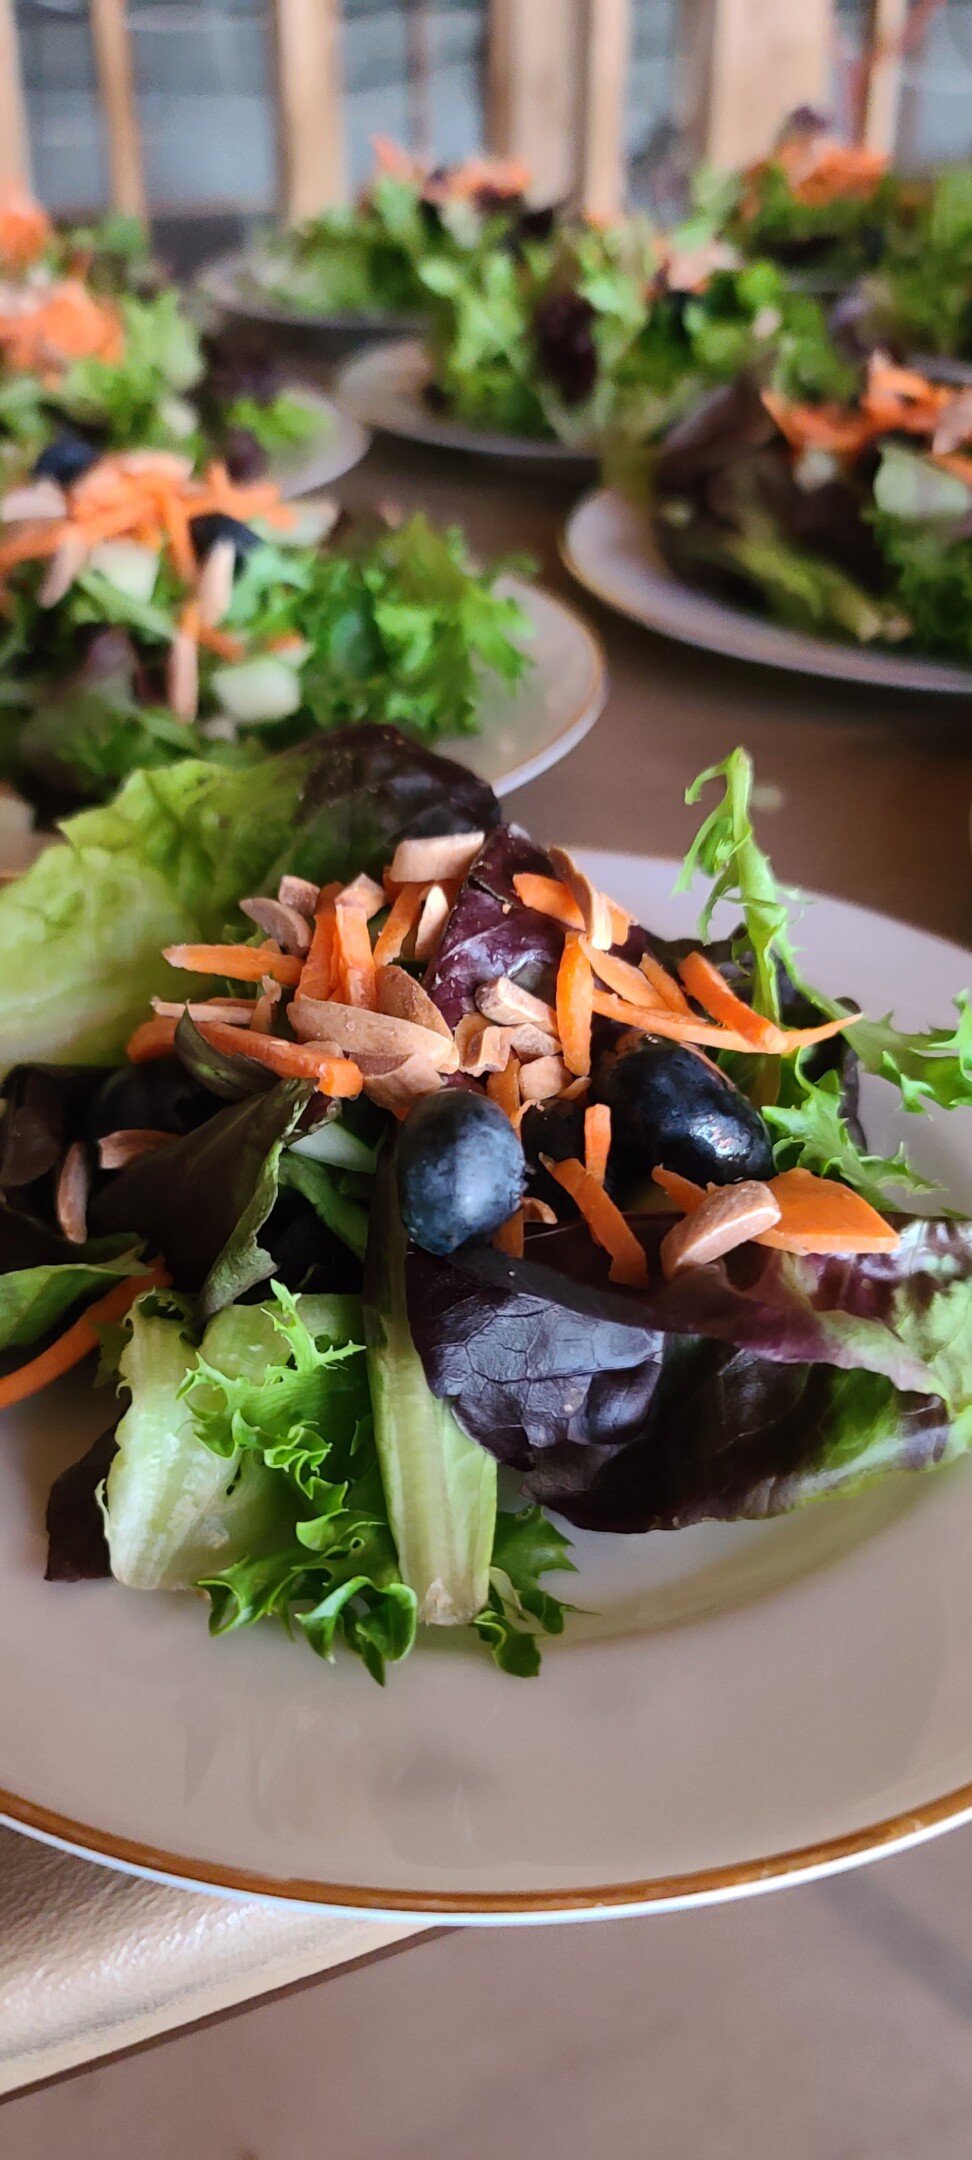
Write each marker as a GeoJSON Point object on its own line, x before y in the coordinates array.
{"type": "Point", "coordinates": [717, 1883]}
{"type": "Point", "coordinates": [581, 721]}
{"type": "Point", "coordinates": [352, 322]}
{"type": "Point", "coordinates": [822, 658]}
{"type": "Point", "coordinates": [444, 434]}
{"type": "Point", "coordinates": [297, 471]}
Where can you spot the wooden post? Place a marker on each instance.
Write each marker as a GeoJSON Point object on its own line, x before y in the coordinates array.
{"type": "Point", "coordinates": [309, 118]}
{"type": "Point", "coordinates": [882, 74]}
{"type": "Point", "coordinates": [607, 42]}
{"type": "Point", "coordinates": [533, 100]}
{"type": "Point", "coordinates": [14, 158]}
{"type": "Point", "coordinates": [116, 86]}
{"type": "Point", "coordinates": [745, 65]}
{"type": "Point", "coordinates": [418, 84]}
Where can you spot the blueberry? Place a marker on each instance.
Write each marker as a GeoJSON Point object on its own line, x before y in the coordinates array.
{"type": "Point", "coordinates": [670, 1107]}
{"type": "Point", "coordinates": [216, 525]}
{"type": "Point", "coordinates": [460, 1170]}
{"type": "Point", "coordinates": [158, 1096]}
{"type": "Point", "coordinates": [65, 459]}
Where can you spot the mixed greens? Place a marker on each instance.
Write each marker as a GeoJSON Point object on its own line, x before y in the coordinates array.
{"type": "Point", "coordinates": [852, 518]}
{"type": "Point", "coordinates": [154, 613]}
{"type": "Point", "coordinates": [437, 1193]}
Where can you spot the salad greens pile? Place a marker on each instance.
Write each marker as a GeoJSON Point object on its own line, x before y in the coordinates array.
{"type": "Point", "coordinates": [319, 1399]}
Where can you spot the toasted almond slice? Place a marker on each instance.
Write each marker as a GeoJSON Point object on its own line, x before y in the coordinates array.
{"type": "Point", "coordinates": [354, 1028]}
{"type": "Point", "coordinates": [433, 916]}
{"type": "Point", "coordinates": [402, 998]}
{"type": "Point", "coordinates": [545, 1077]}
{"type": "Point", "coordinates": [168, 464]}
{"type": "Point", "coordinates": [41, 499]}
{"type": "Point", "coordinates": [235, 1012]}
{"type": "Point", "coordinates": [182, 675]}
{"type": "Point", "coordinates": [538, 1211]}
{"type": "Point", "coordinates": [728, 1216]}
{"type": "Point", "coordinates": [428, 862]}
{"type": "Point", "coordinates": [954, 427]}
{"type": "Point", "coordinates": [263, 1010]}
{"type": "Point", "coordinates": [115, 1149]}
{"type": "Point", "coordinates": [398, 1089]}
{"type": "Point", "coordinates": [530, 1042]}
{"type": "Point", "coordinates": [482, 1047]}
{"type": "Point", "coordinates": [508, 1238]}
{"type": "Point", "coordinates": [507, 1003]}
{"type": "Point", "coordinates": [214, 585]}
{"type": "Point", "coordinates": [73, 1187]}
{"type": "Point", "coordinates": [299, 893]}
{"type": "Point", "coordinates": [363, 892]}
{"type": "Point", "coordinates": [65, 565]}
{"type": "Point", "coordinates": [594, 906]}
{"type": "Point", "coordinates": [291, 930]}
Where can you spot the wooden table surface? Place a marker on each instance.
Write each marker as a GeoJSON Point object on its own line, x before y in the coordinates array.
{"type": "Point", "coordinates": [867, 795]}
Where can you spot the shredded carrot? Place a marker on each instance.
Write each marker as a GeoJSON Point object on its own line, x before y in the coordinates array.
{"type": "Point", "coordinates": [604, 1221]}
{"type": "Point", "coordinates": [25, 228]}
{"type": "Point", "coordinates": [240, 963]}
{"type": "Point", "coordinates": [819, 427]}
{"type": "Point", "coordinates": [152, 1039]}
{"type": "Point", "coordinates": [817, 1215]}
{"type": "Point", "coordinates": [220, 642]}
{"type": "Point", "coordinates": [504, 1088]}
{"type": "Point", "coordinates": [354, 957]}
{"type": "Point", "coordinates": [709, 987]}
{"type": "Point", "coordinates": [680, 1190]}
{"type": "Point", "coordinates": [597, 1140]}
{"type": "Point", "coordinates": [547, 896]}
{"type": "Point", "coordinates": [663, 984]}
{"type": "Point", "coordinates": [627, 981]}
{"type": "Point", "coordinates": [189, 619]}
{"type": "Point", "coordinates": [79, 1340]}
{"type": "Point", "coordinates": [292, 1061]}
{"type": "Point", "coordinates": [671, 1026]}
{"type": "Point", "coordinates": [317, 973]}
{"type": "Point", "coordinates": [405, 910]}
{"type": "Point", "coordinates": [509, 1237]}
{"type": "Point", "coordinates": [180, 539]}
{"type": "Point", "coordinates": [575, 1006]}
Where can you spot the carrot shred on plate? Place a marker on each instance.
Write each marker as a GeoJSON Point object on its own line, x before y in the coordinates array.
{"type": "Point", "coordinates": [221, 642]}
{"type": "Point", "coordinates": [597, 1140]}
{"type": "Point", "coordinates": [679, 1190]}
{"type": "Point", "coordinates": [704, 982]}
{"type": "Point", "coordinates": [671, 1026]}
{"type": "Point", "coordinates": [152, 1039]}
{"type": "Point", "coordinates": [354, 957]}
{"type": "Point", "coordinates": [240, 963]}
{"type": "Point", "coordinates": [547, 896]}
{"type": "Point", "coordinates": [575, 1006]}
{"type": "Point", "coordinates": [627, 981]}
{"type": "Point", "coordinates": [336, 1076]}
{"type": "Point", "coordinates": [78, 1340]}
{"type": "Point", "coordinates": [666, 989]}
{"type": "Point", "coordinates": [604, 1221]}
{"type": "Point", "coordinates": [401, 920]}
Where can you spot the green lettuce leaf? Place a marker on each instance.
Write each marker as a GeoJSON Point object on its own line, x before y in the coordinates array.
{"type": "Point", "coordinates": [815, 1136]}
{"type": "Point", "coordinates": [325, 1187]}
{"type": "Point", "coordinates": [34, 1299]}
{"type": "Point", "coordinates": [526, 1545]}
{"type": "Point", "coordinates": [725, 849]}
{"type": "Point", "coordinates": [935, 1067]}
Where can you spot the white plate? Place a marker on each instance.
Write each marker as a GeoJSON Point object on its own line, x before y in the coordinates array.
{"type": "Point", "coordinates": [745, 1704]}
{"type": "Point", "coordinates": [233, 282]}
{"type": "Point", "coordinates": [382, 387]}
{"type": "Point", "coordinates": [338, 443]}
{"type": "Point", "coordinates": [609, 546]}
{"type": "Point", "coordinates": [524, 730]}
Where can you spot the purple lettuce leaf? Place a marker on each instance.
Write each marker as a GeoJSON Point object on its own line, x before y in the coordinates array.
{"type": "Point", "coordinates": [740, 1389]}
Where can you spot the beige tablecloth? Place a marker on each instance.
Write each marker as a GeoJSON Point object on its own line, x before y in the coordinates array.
{"type": "Point", "coordinates": [865, 795]}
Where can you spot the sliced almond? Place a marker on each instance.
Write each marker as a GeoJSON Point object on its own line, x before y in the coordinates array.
{"type": "Point", "coordinates": [954, 425]}
{"type": "Point", "coordinates": [233, 1012]}
{"type": "Point", "coordinates": [169, 464]}
{"type": "Point", "coordinates": [433, 916]}
{"type": "Point", "coordinates": [594, 906]}
{"type": "Point", "coordinates": [530, 1042]}
{"type": "Point", "coordinates": [538, 1211]}
{"type": "Point", "coordinates": [182, 676]}
{"type": "Point", "coordinates": [73, 1187]}
{"type": "Point", "coordinates": [353, 1028]}
{"type": "Point", "coordinates": [482, 1047]}
{"type": "Point", "coordinates": [402, 998]}
{"type": "Point", "coordinates": [262, 1012]}
{"type": "Point", "coordinates": [728, 1216]}
{"type": "Point", "coordinates": [115, 1149]}
{"type": "Point", "coordinates": [405, 1084]}
{"type": "Point", "coordinates": [363, 892]}
{"type": "Point", "coordinates": [65, 565]}
{"type": "Point", "coordinates": [41, 499]}
{"type": "Point", "coordinates": [507, 1003]}
{"type": "Point", "coordinates": [427, 862]}
{"type": "Point", "coordinates": [299, 893]}
{"type": "Point", "coordinates": [214, 586]}
{"type": "Point", "coordinates": [291, 930]}
{"type": "Point", "coordinates": [545, 1077]}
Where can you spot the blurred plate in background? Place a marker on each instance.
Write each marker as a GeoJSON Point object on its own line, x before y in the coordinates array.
{"type": "Point", "coordinates": [384, 388]}
{"type": "Point", "coordinates": [237, 283]}
{"type": "Point", "coordinates": [337, 443]}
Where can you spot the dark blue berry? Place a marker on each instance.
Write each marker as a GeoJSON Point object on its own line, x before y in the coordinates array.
{"type": "Point", "coordinates": [460, 1170]}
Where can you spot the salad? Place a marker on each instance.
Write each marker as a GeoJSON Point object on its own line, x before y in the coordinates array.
{"type": "Point", "coordinates": [917, 302]}
{"type": "Point", "coordinates": [89, 337]}
{"type": "Point", "coordinates": [849, 517]}
{"type": "Point", "coordinates": [434, 1165]}
{"type": "Point", "coordinates": [153, 612]}
{"type": "Point", "coordinates": [816, 205]}
{"type": "Point", "coordinates": [367, 258]}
